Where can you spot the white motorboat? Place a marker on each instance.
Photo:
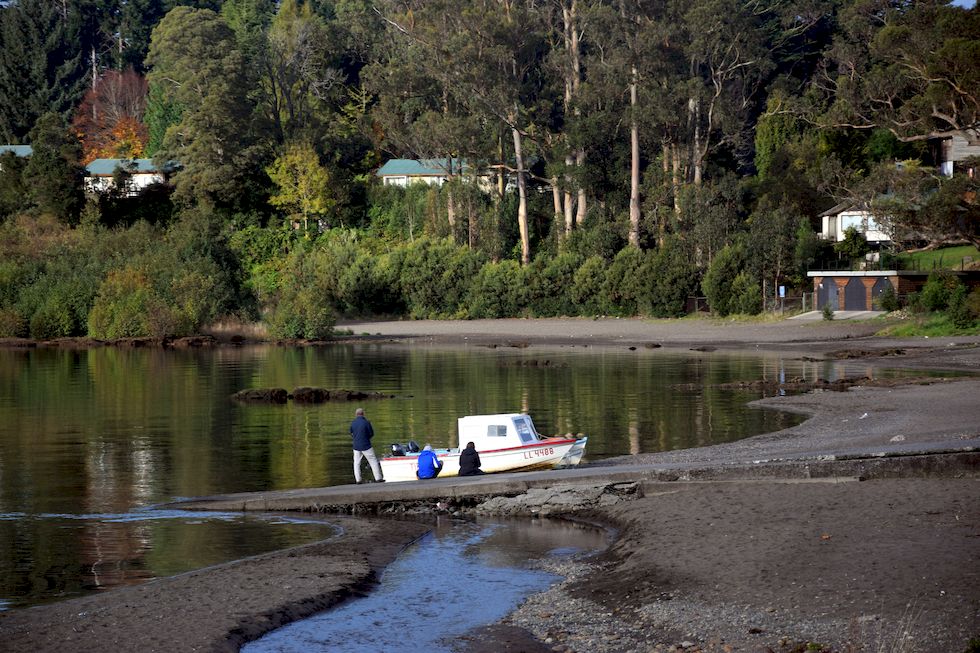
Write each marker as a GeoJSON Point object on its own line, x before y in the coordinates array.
{"type": "Point", "coordinates": [506, 443]}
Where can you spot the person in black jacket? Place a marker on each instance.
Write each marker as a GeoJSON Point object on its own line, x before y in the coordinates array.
{"type": "Point", "coordinates": [469, 461]}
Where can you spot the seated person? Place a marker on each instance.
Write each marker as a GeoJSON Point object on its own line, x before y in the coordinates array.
{"type": "Point", "coordinates": [429, 465]}
{"type": "Point", "coordinates": [469, 461]}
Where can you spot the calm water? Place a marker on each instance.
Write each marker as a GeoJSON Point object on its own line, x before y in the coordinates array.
{"type": "Point", "coordinates": [88, 438]}
{"type": "Point", "coordinates": [460, 576]}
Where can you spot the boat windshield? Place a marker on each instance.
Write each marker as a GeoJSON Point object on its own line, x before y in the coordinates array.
{"type": "Point", "coordinates": [525, 429]}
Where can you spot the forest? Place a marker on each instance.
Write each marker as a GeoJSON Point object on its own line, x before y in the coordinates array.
{"type": "Point", "coordinates": [603, 157]}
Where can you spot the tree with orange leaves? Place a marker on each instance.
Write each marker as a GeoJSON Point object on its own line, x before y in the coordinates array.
{"type": "Point", "coordinates": [109, 121]}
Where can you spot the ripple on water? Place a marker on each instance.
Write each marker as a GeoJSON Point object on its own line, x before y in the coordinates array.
{"type": "Point", "coordinates": [460, 576]}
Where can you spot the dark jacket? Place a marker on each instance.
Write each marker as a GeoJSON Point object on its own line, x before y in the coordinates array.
{"type": "Point", "coordinates": [361, 432]}
{"type": "Point", "coordinates": [469, 462]}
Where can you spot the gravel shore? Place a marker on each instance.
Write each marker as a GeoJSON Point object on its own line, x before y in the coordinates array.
{"type": "Point", "coordinates": [880, 565]}
{"type": "Point", "coordinates": [886, 564]}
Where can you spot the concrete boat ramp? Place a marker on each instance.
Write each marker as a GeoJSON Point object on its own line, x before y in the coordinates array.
{"type": "Point", "coordinates": [445, 495]}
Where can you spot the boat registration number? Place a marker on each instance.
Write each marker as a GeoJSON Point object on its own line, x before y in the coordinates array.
{"type": "Point", "coordinates": [547, 451]}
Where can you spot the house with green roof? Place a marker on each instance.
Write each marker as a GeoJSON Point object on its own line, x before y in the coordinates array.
{"type": "Point", "coordinates": [19, 150]}
{"type": "Point", "coordinates": [434, 172]}
{"type": "Point", "coordinates": [100, 173]}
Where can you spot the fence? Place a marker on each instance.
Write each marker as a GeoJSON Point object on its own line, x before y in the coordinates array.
{"type": "Point", "coordinates": [891, 262]}
{"type": "Point", "coordinates": [794, 304]}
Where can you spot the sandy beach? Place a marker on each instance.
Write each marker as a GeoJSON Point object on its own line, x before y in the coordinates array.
{"type": "Point", "coordinates": [888, 563]}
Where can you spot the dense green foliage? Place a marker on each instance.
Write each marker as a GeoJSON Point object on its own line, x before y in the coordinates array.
{"type": "Point", "coordinates": [111, 283]}
{"type": "Point", "coordinates": [719, 283]}
{"type": "Point", "coordinates": [666, 150]}
{"type": "Point", "coordinates": [943, 306]}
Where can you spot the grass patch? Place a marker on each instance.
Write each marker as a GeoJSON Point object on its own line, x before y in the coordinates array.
{"type": "Point", "coordinates": [930, 324]}
{"type": "Point", "coordinates": [947, 258]}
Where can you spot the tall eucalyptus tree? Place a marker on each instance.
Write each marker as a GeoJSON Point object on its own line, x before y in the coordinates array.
{"type": "Point", "coordinates": [488, 57]}
{"type": "Point", "coordinates": [634, 65]}
{"type": "Point", "coordinates": [419, 113]}
{"type": "Point", "coordinates": [566, 26]}
{"type": "Point", "coordinates": [299, 76]}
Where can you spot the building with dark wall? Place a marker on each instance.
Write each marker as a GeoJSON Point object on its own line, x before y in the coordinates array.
{"type": "Point", "coordinates": [861, 290]}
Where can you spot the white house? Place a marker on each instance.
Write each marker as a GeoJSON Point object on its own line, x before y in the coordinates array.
{"type": "Point", "coordinates": [434, 172]}
{"type": "Point", "coordinates": [846, 214]}
{"type": "Point", "coordinates": [99, 174]}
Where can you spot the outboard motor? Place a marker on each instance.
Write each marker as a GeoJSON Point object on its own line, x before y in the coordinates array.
{"type": "Point", "coordinates": [397, 450]}
{"type": "Point", "coordinates": [413, 446]}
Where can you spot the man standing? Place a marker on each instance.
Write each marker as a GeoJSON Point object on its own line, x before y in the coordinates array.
{"type": "Point", "coordinates": [361, 433]}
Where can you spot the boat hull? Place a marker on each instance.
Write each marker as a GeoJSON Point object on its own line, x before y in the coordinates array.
{"type": "Point", "coordinates": [543, 454]}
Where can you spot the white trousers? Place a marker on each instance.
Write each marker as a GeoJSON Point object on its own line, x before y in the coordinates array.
{"type": "Point", "coordinates": [372, 460]}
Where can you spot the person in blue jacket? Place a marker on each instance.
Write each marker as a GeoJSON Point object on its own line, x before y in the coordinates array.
{"type": "Point", "coordinates": [429, 465]}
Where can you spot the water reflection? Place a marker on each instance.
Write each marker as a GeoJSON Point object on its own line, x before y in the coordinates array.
{"type": "Point", "coordinates": [116, 549]}
{"type": "Point", "coordinates": [108, 430]}
{"type": "Point", "coordinates": [459, 577]}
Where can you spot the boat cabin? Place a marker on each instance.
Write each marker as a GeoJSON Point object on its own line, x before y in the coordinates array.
{"type": "Point", "coordinates": [491, 432]}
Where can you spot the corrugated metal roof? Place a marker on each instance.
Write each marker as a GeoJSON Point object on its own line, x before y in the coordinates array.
{"type": "Point", "coordinates": [420, 167]}
{"type": "Point", "coordinates": [107, 167]}
{"type": "Point", "coordinates": [19, 150]}
{"type": "Point", "coordinates": [133, 166]}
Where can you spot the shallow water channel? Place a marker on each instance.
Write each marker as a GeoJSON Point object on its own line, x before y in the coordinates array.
{"type": "Point", "coordinates": [462, 575]}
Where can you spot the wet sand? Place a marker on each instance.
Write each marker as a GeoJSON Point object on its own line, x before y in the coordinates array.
{"type": "Point", "coordinates": [702, 566]}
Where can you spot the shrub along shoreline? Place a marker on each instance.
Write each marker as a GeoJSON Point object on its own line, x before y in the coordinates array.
{"type": "Point", "coordinates": [170, 282]}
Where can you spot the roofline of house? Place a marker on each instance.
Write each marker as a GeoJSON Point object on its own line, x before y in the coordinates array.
{"type": "Point", "coordinates": [865, 273]}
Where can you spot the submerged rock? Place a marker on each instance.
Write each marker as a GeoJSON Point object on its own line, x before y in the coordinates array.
{"type": "Point", "coordinates": [304, 395]}
{"type": "Point", "coordinates": [261, 395]}
{"type": "Point", "coordinates": [319, 395]}
{"type": "Point", "coordinates": [310, 395]}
